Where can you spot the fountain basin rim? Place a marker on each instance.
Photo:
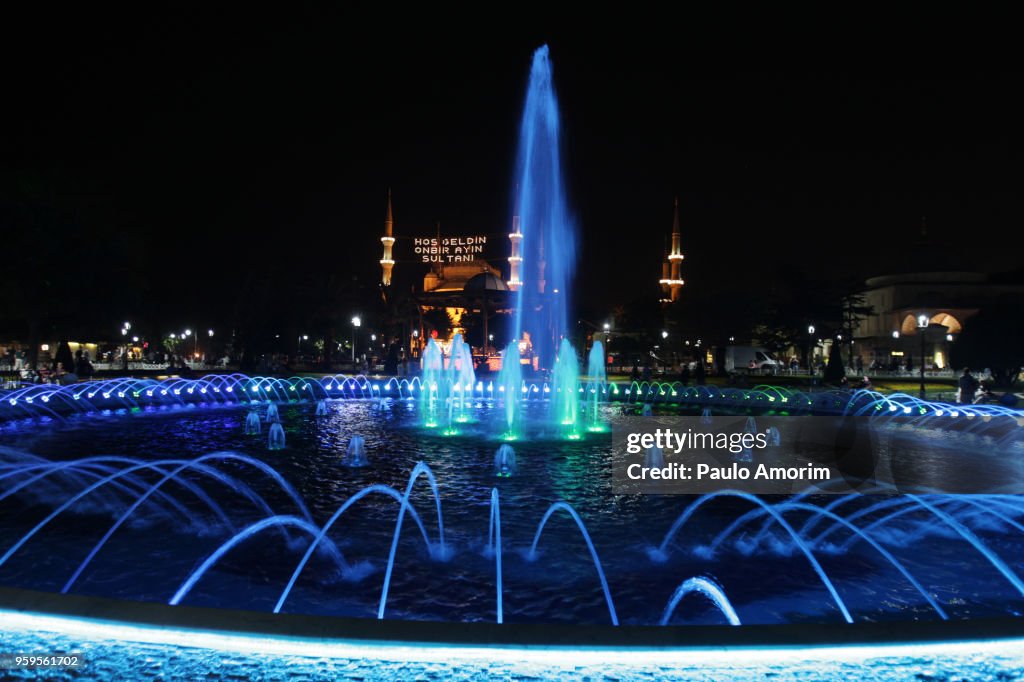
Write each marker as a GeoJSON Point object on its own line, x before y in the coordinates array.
{"type": "Point", "coordinates": [57, 611]}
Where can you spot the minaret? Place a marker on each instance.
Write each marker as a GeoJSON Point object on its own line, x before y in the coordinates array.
{"type": "Point", "coordinates": [676, 257]}
{"type": "Point", "coordinates": [515, 261]}
{"type": "Point", "coordinates": [387, 262]}
{"type": "Point", "coordinates": [665, 276]}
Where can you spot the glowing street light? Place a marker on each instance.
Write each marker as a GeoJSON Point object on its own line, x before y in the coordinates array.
{"type": "Point", "coordinates": [664, 334]}
{"type": "Point", "coordinates": [810, 352]}
{"type": "Point", "coordinates": [895, 333]}
{"type": "Point", "coordinates": [922, 326]}
{"type": "Point", "coordinates": [356, 323]}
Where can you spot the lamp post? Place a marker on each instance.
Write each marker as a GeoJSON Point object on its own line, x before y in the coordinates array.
{"type": "Point", "coordinates": [810, 351]}
{"type": "Point", "coordinates": [195, 341]}
{"type": "Point", "coordinates": [356, 323]}
{"type": "Point", "coordinates": [298, 342]}
{"type": "Point", "coordinates": [922, 327]}
{"type": "Point", "coordinates": [124, 333]}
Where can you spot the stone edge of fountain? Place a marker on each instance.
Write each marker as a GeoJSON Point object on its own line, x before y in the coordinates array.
{"type": "Point", "coordinates": [367, 631]}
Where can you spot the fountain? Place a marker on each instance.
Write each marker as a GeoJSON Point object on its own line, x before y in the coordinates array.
{"type": "Point", "coordinates": [597, 387]}
{"type": "Point", "coordinates": [461, 379]}
{"type": "Point", "coordinates": [548, 233]}
{"type": "Point", "coordinates": [749, 427]}
{"type": "Point", "coordinates": [565, 388]}
{"type": "Point", "coordinates": [510, 379]}
{"type": "Point", "coordinates": [355, 454]}
{"type": "Point", "coordinates": [504, 461]}
{"type": "Point", "coordinates": [654, 457]}
{"type": "Point", "coordinates": [173, 530]}
{"type": "Point", "coordinates": [252, 423]}
{"type": "Point", "coordinates": [433, 386]}
{"type": "Point", "coordinates": [275, 439]}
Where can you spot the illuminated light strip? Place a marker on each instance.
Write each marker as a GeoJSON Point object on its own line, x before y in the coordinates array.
{"type": "Point", "coordinates": [259, 644]}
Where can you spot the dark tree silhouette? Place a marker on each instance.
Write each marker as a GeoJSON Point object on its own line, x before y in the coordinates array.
{"type": "Point", "coordinates": [834, 370]}
{"type": "Point", "coordinates": [993, 338]}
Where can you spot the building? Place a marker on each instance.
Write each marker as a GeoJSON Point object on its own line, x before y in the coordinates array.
{"type": "Point", "coordinates": [890, 336]}
{"type": "Point", "coordinates": [459, 281]}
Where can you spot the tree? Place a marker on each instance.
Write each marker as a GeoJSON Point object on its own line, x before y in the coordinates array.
{"type": "Point", "coordinates": [853, 309]}
{"type": "Point", "coordinates": [834, 370]}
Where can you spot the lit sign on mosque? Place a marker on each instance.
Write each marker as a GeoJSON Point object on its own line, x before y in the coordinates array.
{"type": "Point", "coordinates": [449, 249]}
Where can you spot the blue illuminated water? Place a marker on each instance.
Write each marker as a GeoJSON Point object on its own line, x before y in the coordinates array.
{"type": "Point", "coordinates": [626, 555]}
{"type": "Point", "coordinates": [549, 234]}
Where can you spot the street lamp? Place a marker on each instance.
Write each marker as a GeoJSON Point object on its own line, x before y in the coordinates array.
{"type": "Point", "coordinates": [124, 333]}
{"type": "Point", "coordinates": [922, 326]}
{"type": "Point", "coordinates": [195, 338]}
{"type": "Point", "coordinates": [810, 352]}
{"type": "Point", "coordinates": [664, 334]}
{"type": "Point", "coordinates": [895, 334]}
{"type": "Point", "coordinates": [356, 323]}
{"type": "Point", "coordinates": [298, 342]}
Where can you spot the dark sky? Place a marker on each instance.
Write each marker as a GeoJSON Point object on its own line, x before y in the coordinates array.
{"type": "Point", "coordinates": [204, 145]}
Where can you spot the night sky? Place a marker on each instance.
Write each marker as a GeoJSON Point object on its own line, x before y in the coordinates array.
{"type": "Point", "coordinates": [185, 151]}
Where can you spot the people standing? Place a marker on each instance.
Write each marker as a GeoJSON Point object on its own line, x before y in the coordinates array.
{"type": "Point", "coordinates": [967, 386]}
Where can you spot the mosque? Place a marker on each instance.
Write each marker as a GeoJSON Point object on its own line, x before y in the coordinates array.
{"type": "Point", "coordinates": [460, 282]}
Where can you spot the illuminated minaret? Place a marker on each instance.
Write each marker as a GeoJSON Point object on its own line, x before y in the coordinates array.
{"type": "Point", "coordinates": [515, 261]}
{"type": "Point", "coordinates": [387, 262]}
{"type": "Point", "coordinates": [675, 282]}
{"type": "Point", "coordinates": [666, 269]}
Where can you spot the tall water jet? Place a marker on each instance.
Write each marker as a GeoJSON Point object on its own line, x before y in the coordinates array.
{"type": "Point", "coordinates": [505, 461]}
{"type": "Point", "coordinates": [510, 380]}
{"type": "Point", "coordinates": [433, 387]}
{"type": "Point", "coordinates": [546, 231]}
{"type": "Point", "coordinates": [597, 387]}
{"type": "Point", "coordinates": [321, 408]}
{"type": "Point", "coordinates": [272, 415]}
{"type": "Point", "coordinates": [355, 455]}
{"type": "Point", "coordinates": [460, 378]}
{"type": "Point", "coordinates": [565, 385]}
{"type": "Point", "coordinates": [252, 424]}
{"type": "Point", "coordinates": [275, 440]}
